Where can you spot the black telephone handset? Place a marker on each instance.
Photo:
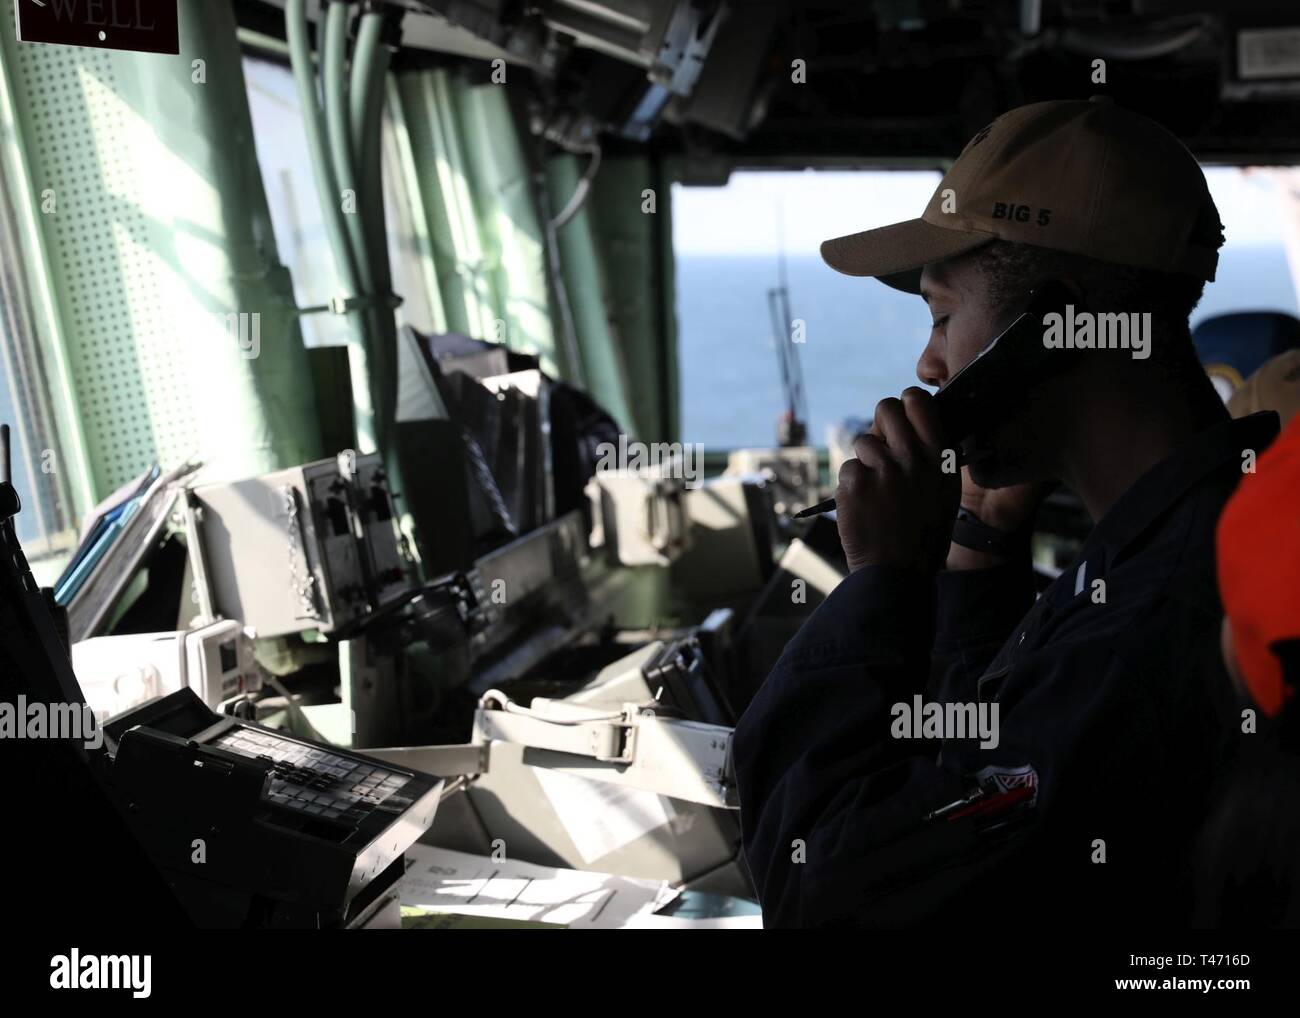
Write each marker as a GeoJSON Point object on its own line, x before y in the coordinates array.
{"type": "Point", "coordinates": [992, 385]}
{"type": "Point", "coordinates": [997, 381]}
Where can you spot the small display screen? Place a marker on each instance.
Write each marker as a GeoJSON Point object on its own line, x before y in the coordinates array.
{"type": "Point", "coordinates": [229, 656]}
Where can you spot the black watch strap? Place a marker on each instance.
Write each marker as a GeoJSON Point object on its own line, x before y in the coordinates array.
{"type": "Point", "coordinates": [971, 532]}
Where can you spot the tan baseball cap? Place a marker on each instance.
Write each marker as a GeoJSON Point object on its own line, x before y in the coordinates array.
{"type": "Point", "coordinates": [1083, 176]}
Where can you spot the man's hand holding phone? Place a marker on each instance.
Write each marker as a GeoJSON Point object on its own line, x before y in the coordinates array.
{"type": "Point", "coordinates": [895, 504]}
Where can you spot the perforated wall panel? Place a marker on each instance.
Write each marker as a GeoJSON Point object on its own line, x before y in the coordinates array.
{"type": "Point", "coordinates": [88, 151]}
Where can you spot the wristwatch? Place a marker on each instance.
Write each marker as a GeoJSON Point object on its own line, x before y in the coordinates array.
{"type": "Point", "coordinates": [971, 532]}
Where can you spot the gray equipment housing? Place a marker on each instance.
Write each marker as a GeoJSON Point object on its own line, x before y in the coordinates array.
{"type": "Point", "coordinates": [310, 547]}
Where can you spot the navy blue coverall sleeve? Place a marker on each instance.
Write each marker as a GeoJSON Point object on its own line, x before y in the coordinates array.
{"type": "Point", "coordinates": [835, 811]}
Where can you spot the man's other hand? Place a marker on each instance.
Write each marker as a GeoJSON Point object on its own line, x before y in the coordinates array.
{"type": "Point", "coordinates": [895, 504]}
{"type": "Point", "coordinates": [1008, 509]}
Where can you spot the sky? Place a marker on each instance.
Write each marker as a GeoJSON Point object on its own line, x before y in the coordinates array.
{"type": "Point", "coordinates": [742, 217]}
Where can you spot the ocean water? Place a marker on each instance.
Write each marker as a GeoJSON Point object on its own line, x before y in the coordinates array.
{"type": "Point", "coordinates": [862, 338]}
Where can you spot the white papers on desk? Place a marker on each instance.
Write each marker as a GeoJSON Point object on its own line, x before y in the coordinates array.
{"type": "Point", "coordinates": [446, 881]}
{"type": "Point", "coordinates": [672, 922]}
{"type": "Point", "coordinates": [601, 817]}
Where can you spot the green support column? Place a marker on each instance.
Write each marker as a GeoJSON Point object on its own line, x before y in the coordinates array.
{"type": "Point", "coordinates": [512, 235]}
{"type": "Point", "coordinates": [581, 257]}
{"type": "Point", "coordinates": [438, 151]}
{"type": "Point", "coordinates": [412, 212]}
{"type": "Point", "coordinates": [636, 246]}
{"type": "Point", "coordinates": [212, 131]}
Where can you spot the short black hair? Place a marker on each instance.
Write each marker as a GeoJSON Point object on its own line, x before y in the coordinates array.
{"type": "Point", "coordinates": [1013, 269]}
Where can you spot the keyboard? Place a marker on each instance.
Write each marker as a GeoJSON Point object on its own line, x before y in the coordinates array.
{"type": "Point", "coordinates": [312, 780]}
